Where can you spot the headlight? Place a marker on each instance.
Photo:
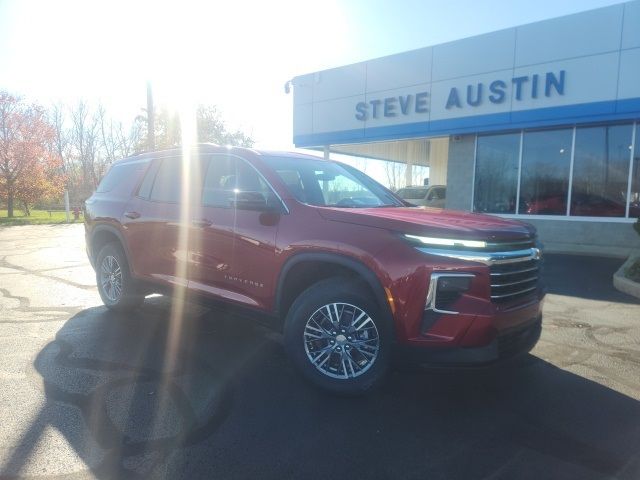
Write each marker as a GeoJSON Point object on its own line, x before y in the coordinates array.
{"type": "Point", "coordinates": [447, 242]}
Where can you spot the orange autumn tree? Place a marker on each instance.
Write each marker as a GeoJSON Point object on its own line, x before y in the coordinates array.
{"type": "Point", "coordinates": [29, 171]}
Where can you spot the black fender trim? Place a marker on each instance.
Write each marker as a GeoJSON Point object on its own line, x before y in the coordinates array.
{"type": "Point", "coordinates": [113, 230]}
{"type": "Point", "coordinates": [344, 261]}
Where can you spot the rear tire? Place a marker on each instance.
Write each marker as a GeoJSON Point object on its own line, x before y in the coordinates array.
{"type": "Point", "coordinates": [115, 285]}
{"type": "Point", "coordinates": [338, 337]}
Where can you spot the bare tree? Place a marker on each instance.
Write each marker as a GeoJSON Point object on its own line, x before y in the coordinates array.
{"type": "Point", "coordinates": [62, 142]}
{"type": "Point", "coordinates": [85, 145]}
{"type": "Point", "coordinates": [395, 174]}
{"type": "Point", "coordinates": [129, 139]}
{"type": "Point", "coordinates": [116, 141]}
{"type": "Point", "coordinates": [108, 135]}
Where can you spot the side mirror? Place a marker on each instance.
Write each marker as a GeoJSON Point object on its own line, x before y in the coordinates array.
{"type": "Point", "coordinates": [251, 201]}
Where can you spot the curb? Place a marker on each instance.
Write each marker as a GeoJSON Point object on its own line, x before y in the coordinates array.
{"type": "Point", "coordinates": [622, 283]}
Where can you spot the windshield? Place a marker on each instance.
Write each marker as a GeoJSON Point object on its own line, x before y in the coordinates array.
{"type": "Point", "coordinates": [330, 184]}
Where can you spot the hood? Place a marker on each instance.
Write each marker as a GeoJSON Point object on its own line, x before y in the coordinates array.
{"type": "Point", "coordinates": [434, 222]}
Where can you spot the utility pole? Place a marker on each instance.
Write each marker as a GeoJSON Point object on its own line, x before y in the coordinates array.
{"type": "Point", "coordinates": [151, 134]}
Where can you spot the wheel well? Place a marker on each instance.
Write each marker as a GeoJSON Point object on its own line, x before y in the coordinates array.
{"type": "Point", "coordinates": [100, 239]}
{"type": "Point", "coordinates": [308, 272]}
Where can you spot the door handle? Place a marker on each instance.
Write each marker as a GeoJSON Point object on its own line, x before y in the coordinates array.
{"type": "Point", "coordinates": [201, 223]}
{"type": "Point", "coordinates": [132, 215]}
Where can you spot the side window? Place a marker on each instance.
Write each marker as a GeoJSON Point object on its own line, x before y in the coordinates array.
{"type": "Point", "coordinates": [249, 180]}
{"type": "Point", "coordinates": [145, 187]}
{"type": "Point", "coordinates": [121, 178]}
{"type": "Point", "coordinates": [226, 176]}
{"type": "Point", "coordinates": [437, 194]}
{"type": "Point", "coordinates": [294, 183]}
{"type": "Point", "coordinates": [219, 182]}
{"type": "Point", "coordinates": [168, 181]}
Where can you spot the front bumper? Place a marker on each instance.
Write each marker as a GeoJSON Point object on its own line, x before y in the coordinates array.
{"type": "Point", "coordinates": [507, 344]}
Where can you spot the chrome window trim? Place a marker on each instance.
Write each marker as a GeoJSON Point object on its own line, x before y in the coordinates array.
{"type": "Point", "coordinates": [210, 156]}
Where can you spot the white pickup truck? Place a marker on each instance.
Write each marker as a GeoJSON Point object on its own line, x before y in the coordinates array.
{"type": "Point", "coordinates": [427, 196]}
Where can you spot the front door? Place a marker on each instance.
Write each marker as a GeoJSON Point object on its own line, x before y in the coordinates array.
{"type": "Point", "coordinates": [233, 246]}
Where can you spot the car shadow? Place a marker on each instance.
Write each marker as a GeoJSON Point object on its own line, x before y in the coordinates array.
{"type": "Point", "coordinates": [206, 394]}
{"type": "Point", "coordinates": [584, 276]}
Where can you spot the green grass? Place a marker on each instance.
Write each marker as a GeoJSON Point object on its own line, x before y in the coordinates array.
{"type": "Point", "coordinates": [37, 217]}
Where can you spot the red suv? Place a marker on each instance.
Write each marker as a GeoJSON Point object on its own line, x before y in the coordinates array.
{"type": "Point", "coordinates": [348, 271]}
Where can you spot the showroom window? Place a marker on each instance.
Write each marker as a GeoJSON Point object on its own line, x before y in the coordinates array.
{"type": "Point", "coordinates": [496, 176]}
{"type": "Point", "coordinates": [634, 187]}
{"type": "Point", "coordinates": [546, 160]}
{"type": "Point", "coordinates": [601, 171]}
{"type": "Point", "coordinates": [581, 171]}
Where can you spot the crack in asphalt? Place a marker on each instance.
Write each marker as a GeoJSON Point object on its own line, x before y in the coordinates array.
{"type": "Point", "coordinates": [38, 273]}
{"type": "Point", "coordinates": [60, 313]}
{"type": "Point", "coordinates": [625, 354]}
{"type": "Point", "coordinates": [24, 301]}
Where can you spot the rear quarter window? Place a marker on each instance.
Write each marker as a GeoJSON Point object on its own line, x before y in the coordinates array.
{"type": "Point", "coordinates": [167, 186]}
{"type": "Point", "coordinates": [122, 178]}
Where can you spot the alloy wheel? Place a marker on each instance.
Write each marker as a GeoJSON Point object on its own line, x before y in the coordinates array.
{"type": "Point", "coordinates": [111, 278]}
{"type": "Point", "coordinates": [341, 340]}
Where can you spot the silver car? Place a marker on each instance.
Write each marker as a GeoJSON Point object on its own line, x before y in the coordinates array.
{"type": "Point", "coordinates": [431, 196]}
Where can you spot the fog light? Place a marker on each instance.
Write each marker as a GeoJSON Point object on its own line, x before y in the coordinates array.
{"type": "Point", "coordinates": [445, 289]}
{"type": "Point", "coordinates": [453, 284]}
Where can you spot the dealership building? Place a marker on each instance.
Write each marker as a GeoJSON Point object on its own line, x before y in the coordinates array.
{"type": "Point", "coordinates": [539, 122]}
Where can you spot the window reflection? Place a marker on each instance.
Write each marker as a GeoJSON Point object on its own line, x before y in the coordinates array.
{"type": "Point", "coordinates": [496, 179]}
{"type": "Point", "coordinates": [601, 171]}
{"type": "Point", "coordinates": [600, 185]}
{"type": "Point", "coordinates": [634, 198]}
{"type": "Point", "coordinates": [546, 159]}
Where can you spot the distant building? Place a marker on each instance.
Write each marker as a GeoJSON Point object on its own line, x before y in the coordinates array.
{"type": "Point", "coordinates": [539, 122]}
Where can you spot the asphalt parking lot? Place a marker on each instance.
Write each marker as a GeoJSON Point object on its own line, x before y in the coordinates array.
{"type": "Point", "coordinates": [85, 393]}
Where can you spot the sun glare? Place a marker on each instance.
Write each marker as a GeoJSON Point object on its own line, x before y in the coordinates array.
{"type": "Point", "coordinates": [236, 55]}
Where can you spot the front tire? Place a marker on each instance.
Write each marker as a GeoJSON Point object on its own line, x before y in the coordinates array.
{"type": "Point", "coordinates": [115, 285]}
{"type": "Point", "coordinates": [338, 337]}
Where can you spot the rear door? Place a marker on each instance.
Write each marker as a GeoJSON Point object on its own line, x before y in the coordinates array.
{"type": "Point", "coordinates": [233, 246]}
{"type": "Point", "coordinates": [157, 226]}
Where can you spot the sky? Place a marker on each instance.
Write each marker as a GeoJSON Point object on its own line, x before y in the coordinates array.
{"type": "Point", "coordinates": [235, 54]}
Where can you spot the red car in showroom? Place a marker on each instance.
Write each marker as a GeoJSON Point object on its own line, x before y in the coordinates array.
{"type": "Point", "coordinates": [351, 274]}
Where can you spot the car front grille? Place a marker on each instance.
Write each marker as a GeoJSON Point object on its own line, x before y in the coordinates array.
{"type": "Point", "coordinates": [513, 281]}
{"type": "Point", "coordinates": [514, 267]}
